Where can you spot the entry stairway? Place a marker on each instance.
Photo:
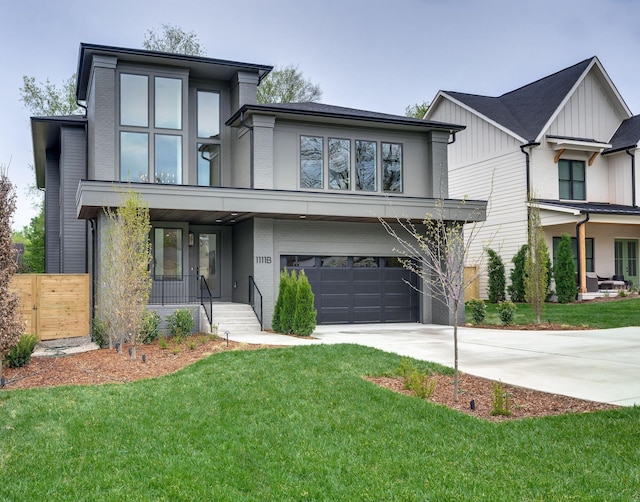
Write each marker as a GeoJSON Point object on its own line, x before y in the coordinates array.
{"type": "Point", "coordinates": [235, 318]}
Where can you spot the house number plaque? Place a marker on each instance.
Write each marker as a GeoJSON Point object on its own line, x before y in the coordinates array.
{"type": "Point", "coordinates": [263, 259]}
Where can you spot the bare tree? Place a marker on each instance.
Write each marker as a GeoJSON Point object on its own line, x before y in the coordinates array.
{"type": "Point", "coordinates": [436, 251]}
{"type": "Point", "coordinates": [170, 38]}
{"type": "Point", "coordinates": [11, 325]}
{"type": "Point", "coordinates": [536, 272]}
{"type": "Point", "coordinates": [125, 281]}
{"type": "Point", "coordinates": [288, 85]}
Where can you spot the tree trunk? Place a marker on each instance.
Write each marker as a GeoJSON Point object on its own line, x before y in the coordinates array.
{"type": "Point", "coordinates": [455, 354]}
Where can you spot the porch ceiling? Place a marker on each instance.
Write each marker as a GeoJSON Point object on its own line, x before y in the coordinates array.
{"type": "Point", "coordinates": [228, 206]}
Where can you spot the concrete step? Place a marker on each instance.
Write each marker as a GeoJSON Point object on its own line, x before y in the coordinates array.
{"type": "Point", "coordinates": [235, 318]}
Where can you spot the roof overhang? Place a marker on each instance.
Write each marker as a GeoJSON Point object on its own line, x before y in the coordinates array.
{"type": "Point", "coordinates": [224, 206]}
{"type": "Point", "coordinates": [559, 213]}
{"type": "Point", "coordinates": [199, 66]}
{"type": "Point", "coordinates": [45, 136]}
{"type": "Point", "coordinates": [583, 145]}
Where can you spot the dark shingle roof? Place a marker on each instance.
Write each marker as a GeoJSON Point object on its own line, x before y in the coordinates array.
{"type": "Point", "coordinates": [526, 110]}
{"type": "Point", "coordinates": [593, 207]}
{"type": "Point", "coordinates": [340, 112]}
{"type": "Point", "coordinates": [627, 135]}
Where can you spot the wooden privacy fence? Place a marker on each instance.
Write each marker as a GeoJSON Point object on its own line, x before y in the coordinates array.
{"type": "Point", "coordinates": [473, 290]}
{"type": "Point", "coordinates": [54, 305]}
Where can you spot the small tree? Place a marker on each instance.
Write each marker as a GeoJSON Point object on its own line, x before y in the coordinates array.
{"type": "Point", "coordinates": [516, 288]}
{"type": "Point", "coordinates": [288, 313]}
{"type": "Point", "coordinates": [565, 271]}
{"type": "Point", "coordinates": [125, 281]}
{"type": "Point", "coordinates": [497, 280]}
{"type": "Point", "coordinates": [536, 272]}
{"type": "Point", "coordinates": [436, 251]}
{"type": "Point", "coordinates": [276, 322]}
{"type": "Point", "coordinates": [11, 324]}
{"type": "Point", "coordinates": [304, 321]}
{"type": "Point", "coordinates": [33, 260]}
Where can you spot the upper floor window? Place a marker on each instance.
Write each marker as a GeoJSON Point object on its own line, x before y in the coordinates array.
{"type": "Point", "coordinates": [392, 167]}
{"type": "Point", "coordinates": [208, 132]}
{"type": "Point", "coordinates": [151, 136]}
{"type": "Point", "coordinates": [572, 179]}
{"type": "Point", "coordinates": [366, 165]}
{"type": "Point", "coordinates": [311, 161]}
{"type": "Point", "coordinates": [339, 163]}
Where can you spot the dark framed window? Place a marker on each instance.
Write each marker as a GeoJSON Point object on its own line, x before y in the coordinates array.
{"type": "Point", "coordinates": [209, 143]}
{"type": "Point", "coordinates": [167, 251]}
{"type": "Point", "coordinates": [574, 249]}
{"type": "Point", "coordinates": [391, 167]}
{"type": "Point", "coordinates": [339, 164]}
{"type": "Point", "coordinates": [311, 161]}
{"type": "Point", "coordinates": [572, 179]}
{"type": "Point", "coordinates": [366, 166]}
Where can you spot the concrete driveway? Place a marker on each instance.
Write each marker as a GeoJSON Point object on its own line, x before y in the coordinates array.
{"type": "Point", "coordinates": [599, 365]}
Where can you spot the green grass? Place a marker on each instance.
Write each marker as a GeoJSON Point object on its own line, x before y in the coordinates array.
{"type": "Point", "coordinates": [612, 314]}
{"type": "Point", "coordinates": [299, 424]}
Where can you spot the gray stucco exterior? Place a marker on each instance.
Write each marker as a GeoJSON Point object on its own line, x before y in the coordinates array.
{"type": "Point", "coordinates": [260, 210]}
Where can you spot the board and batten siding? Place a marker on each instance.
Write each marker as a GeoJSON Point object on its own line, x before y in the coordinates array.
{"type": "Point", "coordinates": [72, 230]}
{"type": "Point", "coordinates": [486, 163]}
{"type": "Point", "coordinates": [52, 214]}
{"type": "Point", "coordinates": [589, 113]}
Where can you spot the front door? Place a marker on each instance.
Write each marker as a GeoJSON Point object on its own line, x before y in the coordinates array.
{"type": "Point", "coordinates": [626, 259]}
{"type": "Point", "coordinates": [207, 259]}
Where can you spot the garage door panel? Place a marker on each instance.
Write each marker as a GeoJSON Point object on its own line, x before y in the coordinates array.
{"type": "Point", "coordinates": [335, 275]}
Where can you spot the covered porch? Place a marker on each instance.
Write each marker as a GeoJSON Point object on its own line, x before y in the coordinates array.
{"type": "Point", "coordinates": [605, 239]}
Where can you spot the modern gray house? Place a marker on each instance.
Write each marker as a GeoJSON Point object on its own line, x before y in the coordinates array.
{"type": "Point", "coordinates": [238, 190]}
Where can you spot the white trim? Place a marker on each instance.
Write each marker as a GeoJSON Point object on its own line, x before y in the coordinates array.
{"type": "Point", "coordinates": [576, 144]}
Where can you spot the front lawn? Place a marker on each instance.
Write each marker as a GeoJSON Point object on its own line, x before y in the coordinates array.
{"type": "Point", "coordinates": [294, 424]}
{"type": "Point", "coordinates": [595, 314]}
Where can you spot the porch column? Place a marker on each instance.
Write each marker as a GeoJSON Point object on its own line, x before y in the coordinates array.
{"type": "Point", "coordinates": [582, 257]}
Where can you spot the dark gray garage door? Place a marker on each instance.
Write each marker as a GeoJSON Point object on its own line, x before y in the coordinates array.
{"type": "Point", "coordinates": [358, 289]}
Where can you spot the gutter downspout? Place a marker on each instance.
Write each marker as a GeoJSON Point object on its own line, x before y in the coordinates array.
{"type": "Point", "coordinates": [580, 257]}
{"type": "Point", "coordinates": [242, 124]}
{"type": "Point", "coordinates": [528, 165]}
{"type": "Point", "coordinates": [633, 176]}
{"type": "Point", "coordinates": [453, 138]}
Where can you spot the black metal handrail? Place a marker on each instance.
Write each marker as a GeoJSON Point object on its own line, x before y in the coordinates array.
{"type": "Point", "coordinates": [180, 290]}
{"type": "Point", "coordinates": [253, 289]}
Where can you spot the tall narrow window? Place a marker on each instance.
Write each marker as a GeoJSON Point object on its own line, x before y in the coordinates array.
{"type": "Point", "coordinates": [208, 165]}
{"type": "Point", "coordinates": [391, 167]}
{"type": "Point", "coordinates": [571, 176]}
{"type": "Point", "coordinates": [134, 156]}
{"type": "Point", "coordinates": [167, 248]}
{"type": "Point", "coordinates": [311, 161]}
{"type": "Point", "coordinates": [208, 115]}
{"type": "Point", "coordinates": [366, 166]}
{"type": "Point", "coordinates": [168, 103]}
{"type": "Point", "coordinates": [339, 164]}
{"type": "Point", "coordinates": [134, 100]}
{"type": "Point", "coordinates": [168, 155]}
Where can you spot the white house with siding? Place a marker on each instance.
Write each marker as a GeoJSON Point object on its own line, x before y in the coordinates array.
{"type": "Point", "coordinates": [568, 141]}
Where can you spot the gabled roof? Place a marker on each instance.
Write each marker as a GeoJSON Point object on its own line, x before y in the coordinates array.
{"type": "Point", "coordinates": [627, 135]}
{"type": "Point", "coordinates": [322, 111]}
{"type": "Point", "coordinates": [526, 112]}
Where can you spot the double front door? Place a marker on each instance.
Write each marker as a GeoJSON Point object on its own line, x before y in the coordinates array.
{"type": "Point", "coordinates": [205, 258]}
{"type": "Point", "coordinates": [626, 259]}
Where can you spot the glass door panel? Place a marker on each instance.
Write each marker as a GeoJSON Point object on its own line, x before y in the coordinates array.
{"type": "Point", "coordinates": [208, 261]}
{"type": "Point", "coordinates": [626, 260]}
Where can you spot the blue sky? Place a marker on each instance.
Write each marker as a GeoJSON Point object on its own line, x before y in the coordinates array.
{"type": "Point", "coordinates": [369, 54]}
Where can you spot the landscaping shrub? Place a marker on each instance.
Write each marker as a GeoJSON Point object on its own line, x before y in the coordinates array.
{"type": "Point", "coordinates": [497, 280]}
{"type": "Point", "coordinates": [149, 328]}
{"type": "Point", "coordinates": [415, 380]}
{"type": "Point", "coordinates": [180, 324]}
{"type": "Point", "coordinates": [304, 320]}
{"type": "Point", "coordinates": [20, 354]}
{"type": "Point", "coordinates": [517, 275]}
{"type": "Point", "coordinates": [289, 304]}
{"type": "Point", "coordinates": [500, 400]}
{"type": "Point", "coordinates": [99, 333]}
{"type": "Point", "coordinates": [564, 271]}
{"type": "Point", "coordinates": [507, 312]}
{"type": "Point", "coordinates": [478, 310]}
{"type": "Point", "coordinates": [276, 322]}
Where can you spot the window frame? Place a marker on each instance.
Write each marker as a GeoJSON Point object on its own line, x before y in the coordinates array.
{"type": "Point", "coordinates": [180, 252]}
{"type": "Point", "coordinates": [150, 129]}
{"type": "Point", "coordinates": [201, 142]}
{"type": "Point", "coordinates": [572, 182]}
{"type": "Point", "coordinates": [322, 162]}
{"type": "Point", "coordinates": [349, 187]}
{"type": "Point", "coordinates": [375, 167]}
{"type": "Point", "coordinates": [382, 165]}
